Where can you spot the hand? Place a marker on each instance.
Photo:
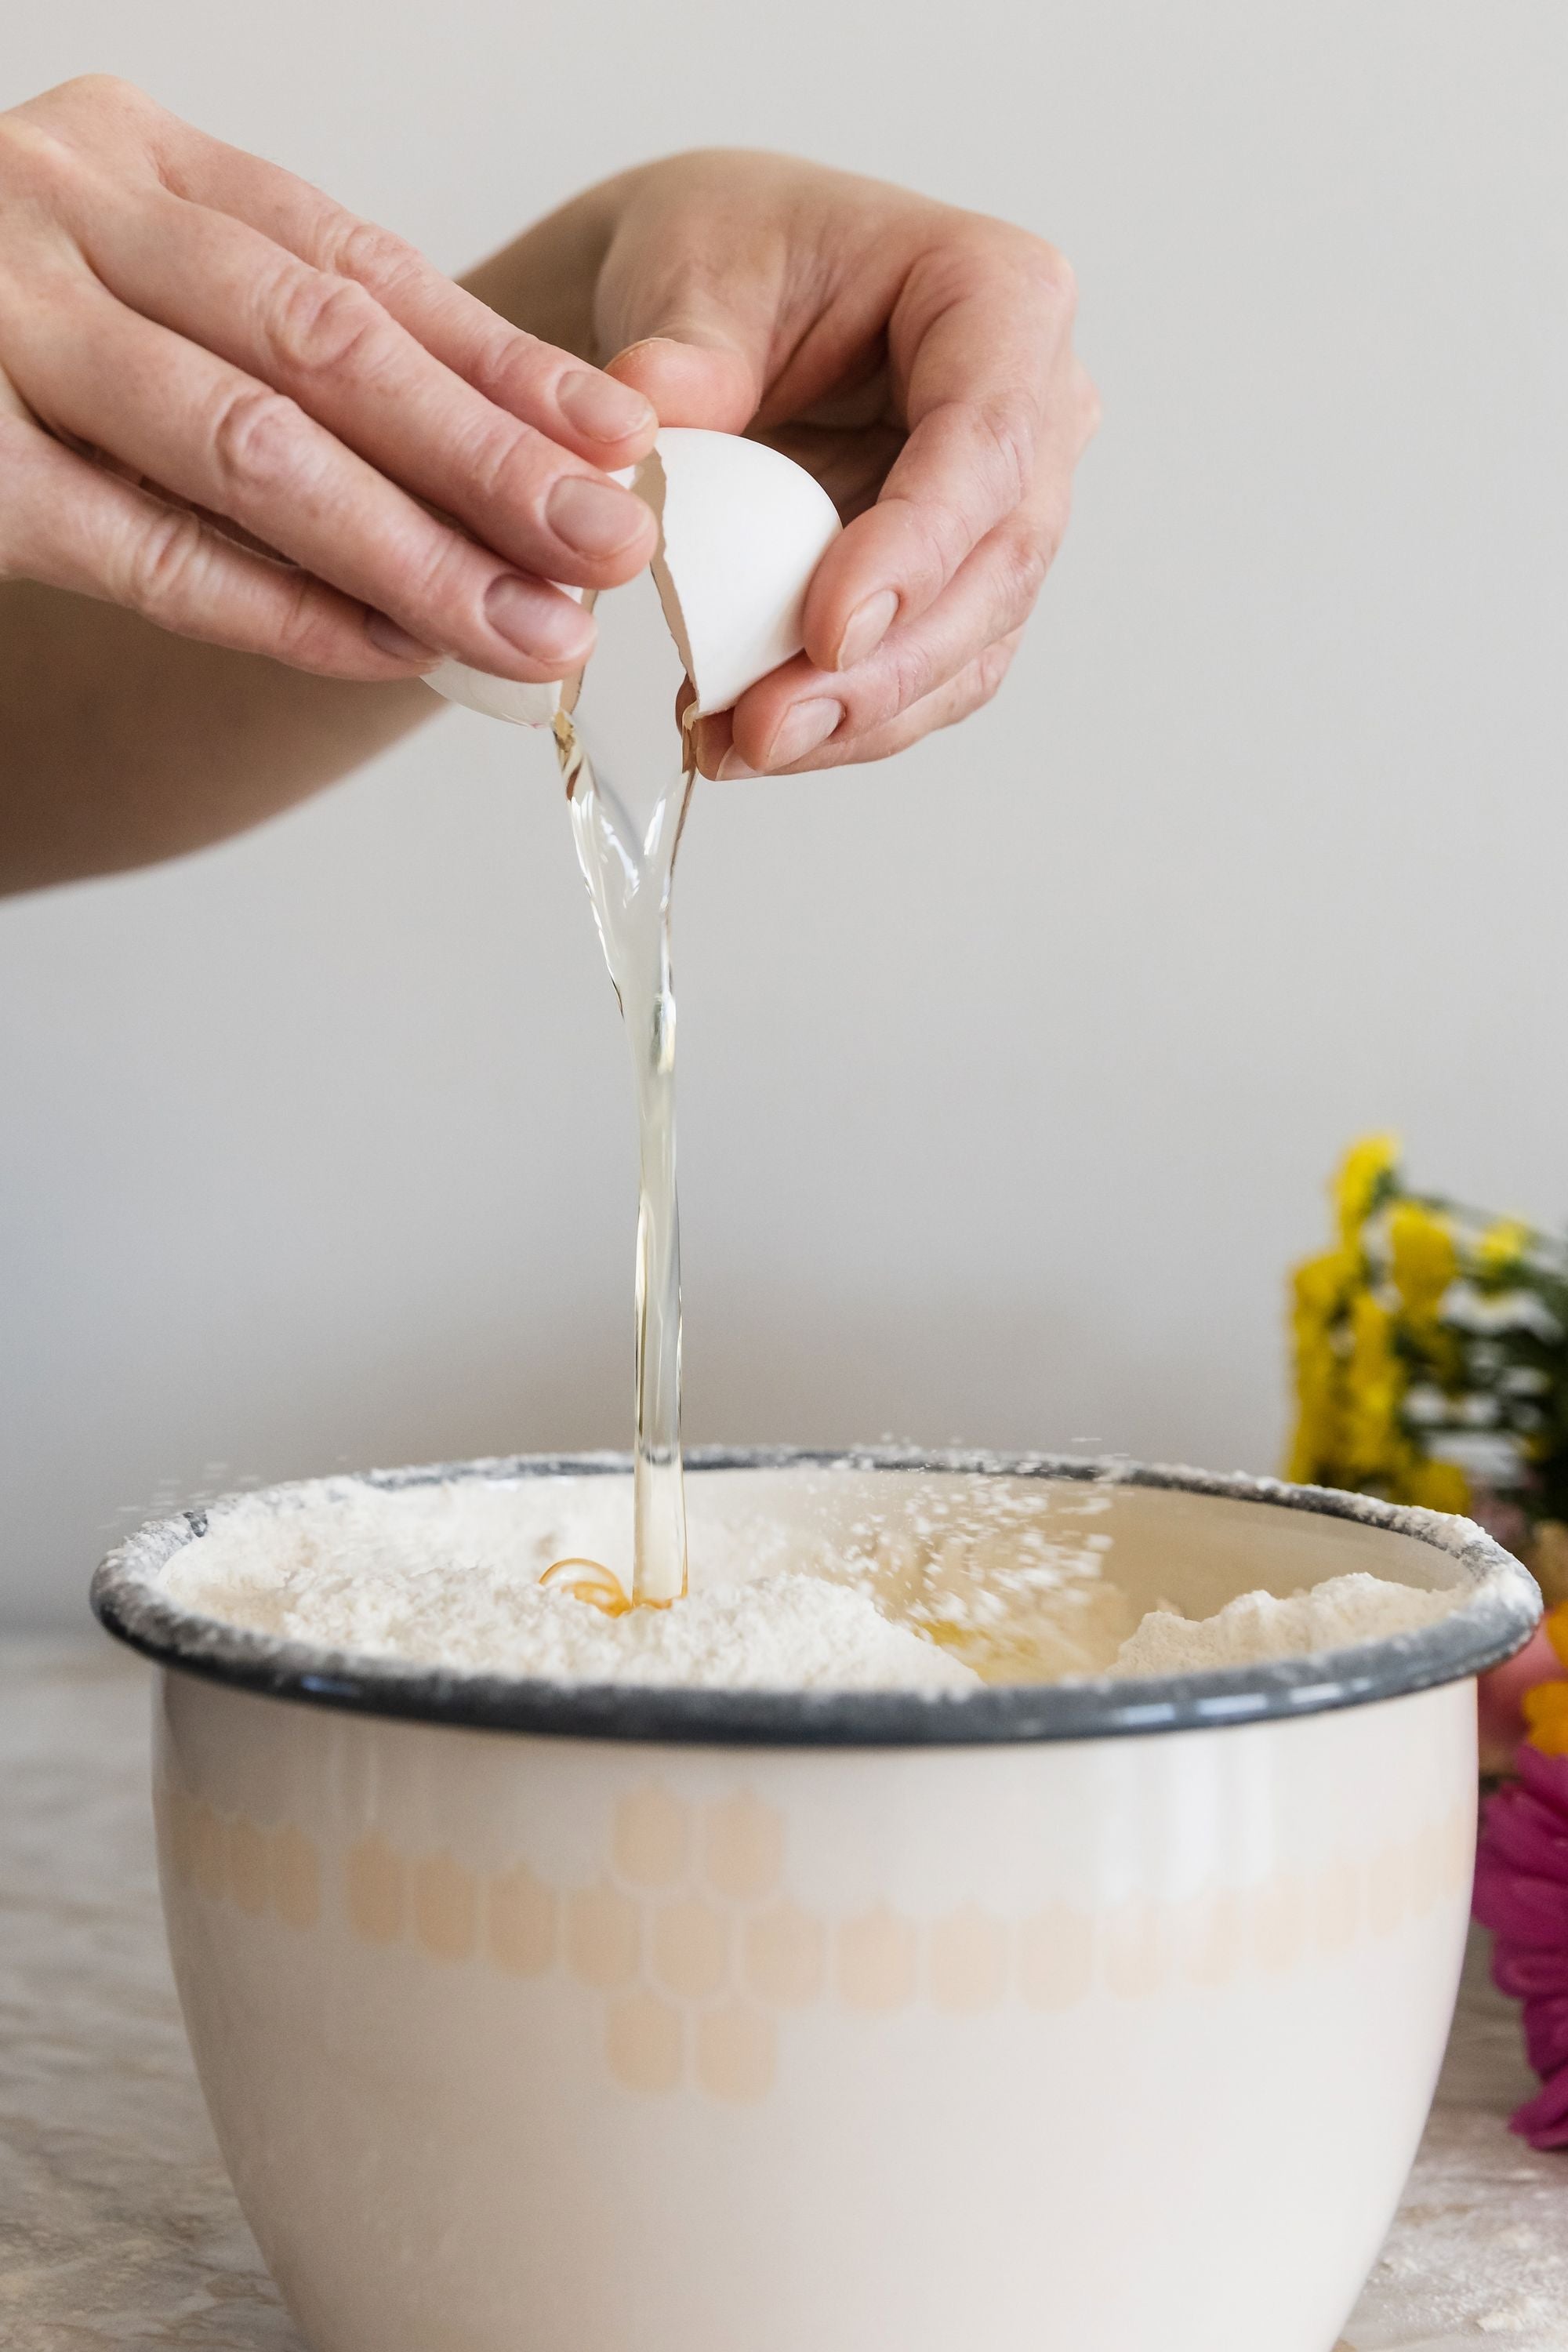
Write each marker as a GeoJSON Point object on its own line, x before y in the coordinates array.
{"type": "Point", "coordinates": [919, 360]}
{"type": "Point", "coordinates": [234, 408]}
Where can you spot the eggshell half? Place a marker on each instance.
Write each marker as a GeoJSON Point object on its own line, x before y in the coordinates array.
{"type": "Point", "coordinates": [742, 529]}
{"type": "Point", "coordinates": [496, 697]}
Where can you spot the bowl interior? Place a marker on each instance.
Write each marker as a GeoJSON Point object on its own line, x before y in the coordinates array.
{"type": "Point", "coordinates": [1126, 1538]}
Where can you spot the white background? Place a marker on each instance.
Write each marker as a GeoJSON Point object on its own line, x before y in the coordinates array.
{"type": "Point", "coordinates": [1005, 1110]}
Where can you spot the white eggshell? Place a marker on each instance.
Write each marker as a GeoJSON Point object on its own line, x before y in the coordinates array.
{"type": "Point", "coordinates": [496, 697]}
{"type": "Point", "coordinates": [742, 529]}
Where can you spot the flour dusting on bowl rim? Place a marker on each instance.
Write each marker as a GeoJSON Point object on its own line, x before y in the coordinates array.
{"type": "Point", "coordinates": [1500, 1610]}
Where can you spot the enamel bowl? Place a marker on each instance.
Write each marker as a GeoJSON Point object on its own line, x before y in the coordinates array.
{"type": "Point", "coordinates": [1102, 2015]}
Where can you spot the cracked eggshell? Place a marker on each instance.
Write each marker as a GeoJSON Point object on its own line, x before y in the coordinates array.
{"type": "Point", "coordinates": [742, 529]}
{"type": "Point", "coordinates": [500, 698]}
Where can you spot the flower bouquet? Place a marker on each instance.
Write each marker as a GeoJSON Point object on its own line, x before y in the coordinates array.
{"type": "Point", "coordinates": [1431, 1356]}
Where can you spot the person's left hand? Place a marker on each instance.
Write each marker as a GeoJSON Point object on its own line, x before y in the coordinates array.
{"type": "Point", "coordinates": [918, 359]}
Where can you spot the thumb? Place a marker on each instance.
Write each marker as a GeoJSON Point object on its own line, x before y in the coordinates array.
{"type": "Point", "coordinates": [693, 375]}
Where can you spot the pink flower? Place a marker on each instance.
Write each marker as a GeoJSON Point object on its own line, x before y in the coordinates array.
{"type": "Point", "coordinates": [1521, 1895]}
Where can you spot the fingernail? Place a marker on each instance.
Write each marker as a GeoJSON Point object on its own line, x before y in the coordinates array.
{"type": "Point", "coordinates": [536, 620]}
{"type": "Point", "coordinates": [867, 626]}
{"type": "Point", "coordinates": [802, 729]}
{"type": "Point", "coordinates": [709, 740]}
{"type": "Point", "coordinates": [596, 518]}
{"type": "Point", "coordinates": [601, 408]}
{"type": "Point", "coordinates": [388, 638]}
{"type": "Point", "coordinates": [732, 766]}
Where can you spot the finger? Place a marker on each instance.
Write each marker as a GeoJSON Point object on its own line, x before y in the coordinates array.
{"type": "Point", "coordinates": [954, 700]}
{"type": "Point", "coordinates": [217, 437]}
{"type": "Point", "coordinates": [67, 524]}
{"type": "Point", "coordinates": [977, 341]}
{"type": "Point", "coordinates": [578, 405]}
{"type": "Point", "coordinates": [688, 383]}
{"type": "Point", "coordinates": [328, 343]}
{"type": "Point", "coordinates": [799, 709]}
{"type": "Point", "coordinates": [691, 304]}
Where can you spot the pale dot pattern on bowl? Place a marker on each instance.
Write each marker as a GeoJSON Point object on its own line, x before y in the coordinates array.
{"type": "Point", "coordinates": [650, 1838]}
{"type": "Point", "coordinates": [967, 1961]}
{"type": "Point", "coordinates": [1337, 1916]}
{"type": "Point", "coordinates": [743, 1843]}
{"type": "Point", "coordinates": [1055, 1958]}
{"type": "Point", "coordinates": [784, 1956]}
{"type": "Point", "coordinates": [294, 1877]}
{"type": "Point", "coordinates": [259, 1870]}
{"type": "Point", "coordinates": [375, 1882]}
{"type": "Point", "coordinates": [690, 1948]}
{"type": "Point", "coordinates": [604, 1940]}
{"type": "Point", "coordinates": [698, 1952]}
{"type": "Point", "coordinates": [1138, 1949]}
{"type": "Point", "coordinates": [1279, 1926]}
{"type": "Point", "coordinates": [737, 2053]}
{"type": "Point", "coordinates": [523, 1925]}
{"type": "Point", "coordinates": [446, 1907]}
{"type": "Point", "coordinates": [644, 2042]}
{"type": "Point", "coordinates": [876, 1960]}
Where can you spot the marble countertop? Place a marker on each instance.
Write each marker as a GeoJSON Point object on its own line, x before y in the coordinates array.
{"type": "Point", "coordinates": [117, 2227]}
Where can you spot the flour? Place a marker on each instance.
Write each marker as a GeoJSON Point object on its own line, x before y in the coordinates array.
{"type": "Point", "coordinates": [446, 1575]}
{"type": "Point", "coordinates": [1256, 1626]}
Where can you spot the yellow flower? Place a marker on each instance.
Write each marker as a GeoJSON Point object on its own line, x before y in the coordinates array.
{"type": "Point", "coordinates": [1320, 1296]}
{"type": "Point", "coordinates": [1376, 1448]}
{"type": "Point", "coordinates": [1424, 1261]}
{"type": "Point", "coordinates": [1439, 1486]}
{"type": "Point", "coordinates": [1364, 1175]}
{"type": "Point", "coordinates": [1546, 1714]}
{"type": "Point", "coordinates": [1500, 1247]}
{"type": "Point", "coordinates": [1320, 1283]}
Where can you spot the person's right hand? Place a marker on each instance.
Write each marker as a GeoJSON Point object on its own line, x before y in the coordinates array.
{"type": "Point", "coordinates": [234, 408]}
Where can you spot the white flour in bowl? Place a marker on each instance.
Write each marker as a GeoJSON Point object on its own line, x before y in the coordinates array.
{"type": "Point", "coordinates": [447, 1576]}
{"type": "Point", "coordinates": [1256, 1626]}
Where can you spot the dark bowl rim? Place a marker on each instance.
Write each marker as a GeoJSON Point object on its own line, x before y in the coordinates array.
{"type": "Point", "coordinates": [1491, 1624]}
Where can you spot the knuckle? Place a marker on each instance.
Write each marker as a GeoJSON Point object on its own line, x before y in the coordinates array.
{"type": "Point", "coordinates": [322, 325]}
{"type": "Point", "coordinates": [310, 635]}
{"type": "Point", "coordinates": [978, 686]}
{"type": "Point", "coordinates": [161, 563]}
{"type": "Point", "coordinates": [34, 164]}
{"type": "Point", "coordinates": [438, 584]}
{"type": "Point", "coordinates": [990, 670]}
{"type": "Point", "coordinates": [941, 534]}
{"type": "Point", "coordinates": [1026, 559]}
{"type": "Point", "coordinates": [504, 362]}
{"type": "Point", "coordinates": [1006, 423]}
{"type": "Point", "coordinates": [1043, 272]}
{"type": "Point", "coordinates": [101, 89]}
{"type": "Point", "coordinates": [506, 463]}
{"type": "Point", "coordinates": [906, 679]}
{"type": "Point", "coordinates": [256, 440]}
{"type": "Point", "coordinates": [1053, 276]}
{"type": "Point", "coordinates": [374, 256]}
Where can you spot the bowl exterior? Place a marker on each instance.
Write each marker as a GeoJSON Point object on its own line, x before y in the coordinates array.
{"type": "Point", "coordinates": [1110, 2043]}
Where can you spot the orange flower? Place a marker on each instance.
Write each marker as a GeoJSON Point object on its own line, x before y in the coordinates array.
{"type": "Point", "coordinates": [1546, 1714]}
{"type": "Point", "coordinates": [1557, 1633]}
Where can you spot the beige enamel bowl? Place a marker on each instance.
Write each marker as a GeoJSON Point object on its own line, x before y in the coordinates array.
{"type": "Point", "coordinates": [1101, 2018]}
